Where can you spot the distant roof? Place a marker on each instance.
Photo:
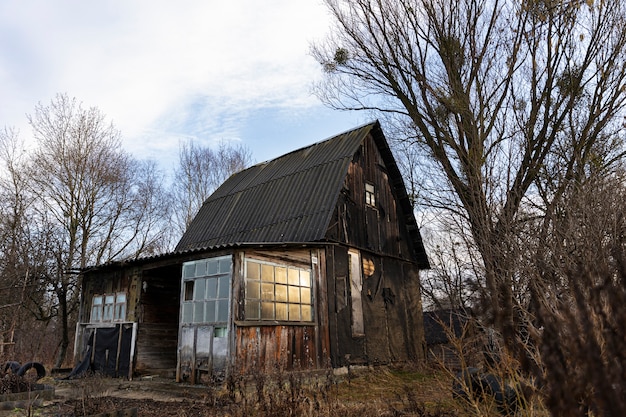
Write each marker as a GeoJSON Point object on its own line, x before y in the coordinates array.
{"type": "Point", "coordinates": [439, 324]}
{"type": "Point", "coordinates": [291, 199]}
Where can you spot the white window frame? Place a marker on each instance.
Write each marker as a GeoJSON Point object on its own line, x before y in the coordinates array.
{"type": "Point", "coordinates": [108, 308]}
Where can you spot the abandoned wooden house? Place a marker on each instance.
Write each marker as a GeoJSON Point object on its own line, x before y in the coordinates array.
{"type": "Point", "coordinates": [307, 261]}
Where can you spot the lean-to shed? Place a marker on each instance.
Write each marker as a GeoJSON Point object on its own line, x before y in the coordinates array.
{"type": "Point", "coordinates": [306, 261]}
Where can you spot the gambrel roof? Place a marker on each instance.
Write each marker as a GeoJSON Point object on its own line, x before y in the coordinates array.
{"type": "Point", "coordinates": [291, 199]}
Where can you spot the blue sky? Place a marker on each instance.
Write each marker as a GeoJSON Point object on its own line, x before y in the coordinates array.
{"type": "Point", "coordinates": [165, 71]}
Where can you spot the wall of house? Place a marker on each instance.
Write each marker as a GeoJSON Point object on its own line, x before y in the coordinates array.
{"type": "Point", "coordinates": [266, 346]}
{"type": "Point", "coordinates": [389, 304]}
{"type": "Point", "coordinates": [380, 227]}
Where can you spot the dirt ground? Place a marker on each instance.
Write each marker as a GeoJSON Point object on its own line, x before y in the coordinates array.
{"type": "Point", "coordinates": [369, 392]}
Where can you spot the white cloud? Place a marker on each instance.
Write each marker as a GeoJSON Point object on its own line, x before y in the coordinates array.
{"type": "Point", "coordinates": [161, 70]}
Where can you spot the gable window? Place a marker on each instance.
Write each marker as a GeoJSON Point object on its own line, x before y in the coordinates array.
{"type": "Point", "coordinates": [370, 194]}
{"type": "Point", "coordinates": [107, 308]}
{"type": "Point", "coordinates": [277, 292]}
{"type": "Point", "coordinates": [206, 290]}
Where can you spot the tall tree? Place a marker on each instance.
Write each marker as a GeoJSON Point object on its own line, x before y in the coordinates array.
{"type": "Point", "coordinates": [495, 92]}
{"type": "Point", "coordinates": [201, 169]}
{"type": "Point", "coordinates": [95, 201]}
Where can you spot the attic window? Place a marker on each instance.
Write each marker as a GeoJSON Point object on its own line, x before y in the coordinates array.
{"type": "Point", "coordinates": [370, 194]}
{"type": "Point", "coordinates": [277, 292]}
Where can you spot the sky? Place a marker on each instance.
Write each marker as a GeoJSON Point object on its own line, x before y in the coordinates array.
{"type": "Point", "coordinates": [167, 71]}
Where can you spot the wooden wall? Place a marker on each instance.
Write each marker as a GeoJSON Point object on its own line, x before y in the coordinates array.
{"type": "Point", "coordinates": [380, 229]}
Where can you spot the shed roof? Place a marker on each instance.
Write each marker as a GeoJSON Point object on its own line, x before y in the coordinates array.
{"type": "Point", "coordinates": [291, 199]}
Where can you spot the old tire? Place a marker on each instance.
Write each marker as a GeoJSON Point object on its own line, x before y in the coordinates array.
{"type": "Point", "coordinates": [41, 370]}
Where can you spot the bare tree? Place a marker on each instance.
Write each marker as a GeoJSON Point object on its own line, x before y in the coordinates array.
{"type": "Point", "coordinates": [495, 92]}
{"type": "Point", "coordinates": [14, 238]}
{"type": "Point", "coordinates": [96, 203]}
{"type": "Point", "coordinates": [201, 170]}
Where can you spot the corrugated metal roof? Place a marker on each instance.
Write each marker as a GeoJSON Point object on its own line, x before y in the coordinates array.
{"type": "Point", "coordinates": [290, 199]}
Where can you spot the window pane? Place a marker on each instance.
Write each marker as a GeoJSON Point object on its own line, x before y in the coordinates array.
{"type": "Point", "coordinates": [110, 299]}
{"type": "Point", "coordinates": [107, 314]}
{"type": "Point", "coordinates": [95, 314]}
{"type": "Point", "coordinates": [220, 332]}
{"type": "Point", "coordinates": [305, 295]}
{"type": "Point", "coordinates": [225, 265]}
{"type": "Point", "coordinates": [209, 312]}
{"type": "Point", "coordinates": [307, 313]}
{"type": "Point", "coordinates": [267, 311]}
{"type": "Point", "coordinates": [97, 300]}
{"type": "Point", "coordinates": [199, 288]}
{"type": "Point", "coordinates": [189, 270]}
{"type": "Point", "coordinates": [294, 312]}
{"type": "Point", "coordinates": [267, 291]}
{"type": "Point", "coordinates": [267, 273]}
{"type": "Point", "coordinates": [281, 293]}
{"type": "Point", "coordinates": [294, 294]}
{"type": "Point", "coordinates": [369, 188]}
{"type": "Point", "coordinates": [223, 287]}
{"type": "Point", "coordinates": [211, 288]}
{"type": "Point", "coordinates": [201, 268]}
{"type": "Point", "coordinates": [280, 274]}
{"type": "Point", "coordinates": [212, 267]}
{"type": "Point", "coordinates": [120, 312]}
{"type": "Point", "coordinates": [187, 312]}
{"type": "Point", "coordinates": [305, 278]}
{"type": "Point", "coordinates": [188, 296]}
{"type": "Point", "coordinates": [198, 312]}
{"type": "Point", "coordinates": [121, 297]}
{"type": "Point", "coordinates": [253, 270]}
{"type": "Point", "coordinates": [252, 310]}
{"type": "Point", "coordinates": [222, 310]}
{"type": "Point", "coordinates": [281, 311]}
{"type": "Point", "coordinates": [253, 289]}
{"type": "Point", "coordinates": [293, 276]}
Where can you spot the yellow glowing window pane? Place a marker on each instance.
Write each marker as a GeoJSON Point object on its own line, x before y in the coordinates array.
{"type": "Point", "coordinates": [254, 270]}
{"type": "Point", "coordinates": [267, 291]}
{"type": "Point", "coordinates": [307, 313]}
{"type": "Point", "coordinates": [253, 289]}
{"type": "Point", "coordinates": [281, 293]}
{"type": "Point", "coordinates": [293, 276]}
{"type": "Point", "coordinates": [305, 295]}
{"type": "Point", "coordinates": [281, 311]}
{"type": "Point", "coordinates": [267, 273]}
{"type": "Point", "coordinates": [294, 312]}
{"type": "Point", "coordinates": [305, 278]}
{"type": "Point", "coordinates": [294, 294]}
{"type": "Point", "coordinates": [280, 275]}
{"type": "Point", "coordinates": [252, 310]}
{"type": "Point", "coordinates": [267, 311]}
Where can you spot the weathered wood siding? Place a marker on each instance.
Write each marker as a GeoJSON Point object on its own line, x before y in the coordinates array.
{"type": "Point", "coordinates": [269, 348]}
{"type": "Point", "coordinates": [391, 310]}
{"type": "Point", "coordinates": [380, 229]}
{"type": "Point", "coordinates": [391, 300]}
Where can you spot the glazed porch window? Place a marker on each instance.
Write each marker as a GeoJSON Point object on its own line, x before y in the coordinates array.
{"type": "Point", "coordinates": [206, 290]}
{"type": "Point", "coordinates": [107, 308]}
{"type": "Point", "coordinates": [277, 292]}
